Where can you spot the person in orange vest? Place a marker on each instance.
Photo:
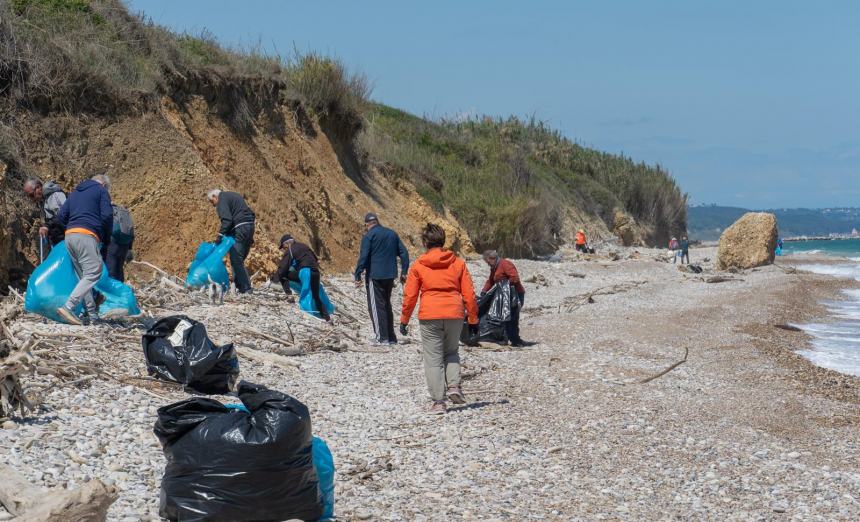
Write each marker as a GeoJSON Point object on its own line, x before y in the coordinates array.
{"type": "Point", "coordinates": [444, 285]}
{"type": "Point", "coordinates": [581, 242]}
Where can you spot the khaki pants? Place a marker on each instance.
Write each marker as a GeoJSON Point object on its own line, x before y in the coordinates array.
{"type": "Point", "coordinates": [440, 341]}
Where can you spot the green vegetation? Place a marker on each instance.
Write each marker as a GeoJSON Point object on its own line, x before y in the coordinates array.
{"type": "Point", "coordinates": [509, 181]}
{"type": "Point", "coordinates": [93, 56]}
{"type": "Point", "coordinates": [707, 222]}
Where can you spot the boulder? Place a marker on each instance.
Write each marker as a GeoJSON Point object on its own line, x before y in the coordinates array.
{"type": "Point", "coordinates": [749, 242]}
{"type": "Point", "coordinates": [626, 228]}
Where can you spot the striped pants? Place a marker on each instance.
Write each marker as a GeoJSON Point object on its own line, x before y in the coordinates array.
{"type": "Point", "coordinates": [379, 306]}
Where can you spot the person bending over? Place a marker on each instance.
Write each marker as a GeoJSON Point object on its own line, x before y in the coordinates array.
{"type": "Point", "coordinates": [504, 269]}
{"type": "Point", "coordinates": [296, 257]}
{"type": "Point", "coordinates": [237, 221]}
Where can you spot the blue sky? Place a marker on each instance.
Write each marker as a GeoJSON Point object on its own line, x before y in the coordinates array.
{"type": "Point", "coordinates": [747, 103]}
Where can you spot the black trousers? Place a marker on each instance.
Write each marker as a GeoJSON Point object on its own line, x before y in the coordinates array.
{"type": "Point", "coordinates": [293, 275]}
{"type": "Point", "coordinates": [512, 327]}
{"type": "Point", "coordinates": [379, 306]}
{"type": "Point", "coordinates": [244, 236]}
{"type": "Point", "coordinates": [115, 261]}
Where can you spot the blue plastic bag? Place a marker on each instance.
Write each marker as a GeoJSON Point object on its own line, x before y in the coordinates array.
{"type": "Point", "coordinates": [52, 282]}
{"type": "Point", "coordinates": [306, 299]}
{"type": "Point", "coordinates": [324, 464]}
{"type": "Point", "coordinates": [208, 265]}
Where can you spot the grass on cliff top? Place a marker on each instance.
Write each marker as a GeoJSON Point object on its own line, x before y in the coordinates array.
{"type": "Point", "coordinates": [508, 180]}
{"type": "Point", "coordinates": [95, 56]}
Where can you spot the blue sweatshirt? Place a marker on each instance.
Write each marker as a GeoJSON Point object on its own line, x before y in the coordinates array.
{"type": "Point", "coordinates": [380, 248]}
{"type": "Point", "coordinates": [89, 207]}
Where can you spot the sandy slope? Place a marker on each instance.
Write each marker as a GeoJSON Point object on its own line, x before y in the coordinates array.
{"type": "Point", "coordinates": [743, 429]}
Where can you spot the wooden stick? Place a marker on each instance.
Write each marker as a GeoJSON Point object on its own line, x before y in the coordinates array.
{"type": "Point", "coordinates": [260, 356]}
{"type": "Point", "coordinates": [268, 337]}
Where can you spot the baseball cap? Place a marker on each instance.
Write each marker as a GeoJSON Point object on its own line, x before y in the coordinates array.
{"type": "Point", "coordinates": [284, 239]}
{"type": "Point", "coordinates": [370, 216]}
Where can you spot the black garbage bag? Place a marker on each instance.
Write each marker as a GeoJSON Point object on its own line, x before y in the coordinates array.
{"type": "Point", "coordinates": [177, 349]}
{"type": "Point", "coordinates": [494, 310]}
{"type": "Point", "coordinates": [225, 464]}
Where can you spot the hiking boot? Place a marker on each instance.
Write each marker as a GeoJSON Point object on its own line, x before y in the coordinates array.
{"type": "Point", "coordinates": [438, 408]}
{"type": "Point", "coordinates": [522, 344]}
{"type": "Point", "coordinates": [68, 316]}
{"type": "Point", "coordinates": [455, 394]}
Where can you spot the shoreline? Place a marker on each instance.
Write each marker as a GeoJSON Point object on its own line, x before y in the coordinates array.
{"type": "Point", "coordinates": [562, 430]}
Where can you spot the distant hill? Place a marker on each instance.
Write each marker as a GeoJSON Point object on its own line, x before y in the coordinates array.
{"type": "Point", "coordinates": [707, 222]}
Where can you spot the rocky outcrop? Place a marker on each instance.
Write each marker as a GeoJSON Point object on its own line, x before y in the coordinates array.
{"type": "Point", "coordinates": [749, 242]}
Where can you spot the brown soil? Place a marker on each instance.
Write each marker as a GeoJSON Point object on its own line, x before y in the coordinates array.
{"type": "Point", "coordinates": [296, 177]}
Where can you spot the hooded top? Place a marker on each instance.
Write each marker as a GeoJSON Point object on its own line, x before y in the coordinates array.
{"type": "Point", "coordinates": [89, 207]}
{"type": "Point", "coordinates": [53, 198]}
{"type": "Point", "coordinates": [445, 286]}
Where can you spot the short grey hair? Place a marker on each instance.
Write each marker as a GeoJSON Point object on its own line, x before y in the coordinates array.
{"type": "Point", "coordinates": [491, 254]}
{"type": "Point", "coordinates": [32, 183]}
{"type": "Point", "coordinates": [103, 179]}
{"type": "Point", "coordinates": [213, 193]}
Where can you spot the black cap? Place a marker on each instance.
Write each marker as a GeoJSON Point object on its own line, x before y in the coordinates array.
{"type": "Point", "coordinates": [370, 217]}
{"type": "Point", "coordinates": [284, 239]}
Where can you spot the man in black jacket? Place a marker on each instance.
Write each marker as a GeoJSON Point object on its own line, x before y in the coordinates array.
{"type": "Point", "coordinates": [296, 257]}
{"type": "Point", "coordinates": [237, 221]}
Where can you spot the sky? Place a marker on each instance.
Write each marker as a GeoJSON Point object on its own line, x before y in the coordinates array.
{"type": "Point", "coordinates": [747, 103]}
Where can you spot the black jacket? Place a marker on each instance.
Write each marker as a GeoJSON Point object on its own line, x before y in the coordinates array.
{"type": "Point", "coordinates": [298, 255]}
{"type": "Point", "coordinates": [233, 211]}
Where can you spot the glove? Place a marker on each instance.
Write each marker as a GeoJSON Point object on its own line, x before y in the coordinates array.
{"type": "Point", "coordinates": [129, 257]}
{"type": "Point", "coordinates": [473, 330]}
{"type": "Point", "coordinates": [404, 329]}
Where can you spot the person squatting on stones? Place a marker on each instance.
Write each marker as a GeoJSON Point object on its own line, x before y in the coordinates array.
{"type": "Point", "coordinates": [87, 217]}
{"type": "Point", "coordinates": [296, 257]}
{"type": "Point", "coordinates": [380, 248]}
{"type": "Point", "coordinates": [444, 285]}
{"type": "Point", "coordinates": [237, 221]}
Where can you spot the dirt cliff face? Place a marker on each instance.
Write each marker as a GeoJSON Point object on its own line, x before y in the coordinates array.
{"type": "Point", "coordinates": [297, 178]}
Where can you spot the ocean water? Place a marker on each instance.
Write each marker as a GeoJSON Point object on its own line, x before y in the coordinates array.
{"type": "Point", "coordinates": [836, 343]}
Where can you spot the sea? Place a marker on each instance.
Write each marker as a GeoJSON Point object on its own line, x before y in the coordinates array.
{"type": "Point", "coordinates": [836, 343]}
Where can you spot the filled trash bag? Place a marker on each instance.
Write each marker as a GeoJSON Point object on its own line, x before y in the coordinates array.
{"type": "Point", "coordinates": [324, 466]}
{"type": "Point", "coordinates": [306, 299]}
{"type": "Point", "coordinates": [494, 310]}
{"type": "Point", "coordinates": [177, 349]}
{"type": "Point", "coordinates": [52, 282]}
{"type": "Point", "coordinates": [208, 265]}
{"type": "Point", "coordinates": [226, 464]}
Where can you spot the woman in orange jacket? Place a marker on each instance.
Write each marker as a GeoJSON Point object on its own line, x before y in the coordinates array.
{"type": "Point", "coordinates": [447, 295]}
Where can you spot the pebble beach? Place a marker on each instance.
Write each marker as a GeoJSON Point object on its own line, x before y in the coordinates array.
{"type": "Point", "coordinates": [585, 425]}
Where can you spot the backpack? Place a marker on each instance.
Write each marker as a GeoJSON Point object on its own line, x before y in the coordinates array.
{"type": "Point", "coordinates": [123, 226]}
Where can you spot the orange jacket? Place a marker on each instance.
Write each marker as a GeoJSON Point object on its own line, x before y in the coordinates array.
{"type": "Point", "coordinates": [444, 283]}
{"type": "Point", "coordinates": [580, 238]}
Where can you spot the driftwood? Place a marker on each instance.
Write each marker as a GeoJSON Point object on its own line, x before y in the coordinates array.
{"type": "Point", "coordinates": [787, 327]}
{"type": "Point", "coordinates": [667, 370]}
{"type": "Point", "coordinates": [266, 357]}
{"type": "Point", "coordinates": [29, 503]}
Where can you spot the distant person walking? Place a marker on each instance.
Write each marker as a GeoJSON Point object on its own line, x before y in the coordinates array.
{"type": "Point", "coordinates": [444, 285]}
{"type": "Point", "coordinates": [296, 257]}
{"type": "Point", "coordinates": [501, 269]}
{"type": "Point", "coordinates": [581, 243]}
{"type": "Point", "coordinates": [685, 249]}
{"type": "Point", "coordinates": [237, 221]}
{"type": "Point", "coordinates": [122, 240]}
{"type": "Point", "coordinates": [87, 217]}
{"type": "Point", "coordinates": [380, 248]}
{"type": "Point", "coordinates": [674, 246]}
{"type": "Point", "coordinates": [51, 198]}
